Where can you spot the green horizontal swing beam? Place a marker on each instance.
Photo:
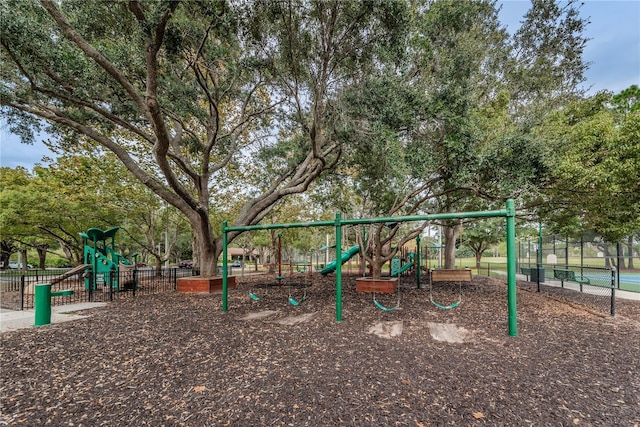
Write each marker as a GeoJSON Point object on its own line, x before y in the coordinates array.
{"type": "Point", "coordinates": [356, 221]}
{"type": "Point", "coordinates": [509, 213]}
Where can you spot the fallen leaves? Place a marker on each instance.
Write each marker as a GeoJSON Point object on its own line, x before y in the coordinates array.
{"type": "Point", "coordinates": [178, 360]}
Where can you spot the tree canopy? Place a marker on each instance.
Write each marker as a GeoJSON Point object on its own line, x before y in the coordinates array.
{"type": "Point", "coordinates": [224, 110]}
{"type": "Point", "coordinates": [184, 93]}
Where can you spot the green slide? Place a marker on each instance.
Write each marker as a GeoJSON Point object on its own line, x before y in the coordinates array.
{"type": "Point", "coordinates": [402, 269]}
{"type": "Point", "coordinates": [346, 256]}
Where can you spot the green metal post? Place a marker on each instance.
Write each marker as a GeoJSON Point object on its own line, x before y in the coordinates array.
{"type": "Point", "coordinates": [418, 260]}
{"type": "Point", "coordinates": [363, 261]}
{"type": "Point", "coordinates": [225, 290]}
{"type": "Point", "coordinates": [42, 304]}
{"type": "Point", "coordinates": [511, 268]}
{"type": "Point", "coordinates": [279, 258]}
{"type": "Point", "coordinates": [338, 268]}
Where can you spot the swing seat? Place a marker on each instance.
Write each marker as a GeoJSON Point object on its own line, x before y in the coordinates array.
{"type": "Point", "coordinates": [446, 307]}
{"type": "Point", "coordinates": [455, 275]}
{"type": "Point", "coordinates": [382, 307]}
{"type": "Point", "coordinates": [452, 275]}
{"type": "Point", "coordinates": [254, 296]}
{"type": "Point", "coordinates": [294, 302]}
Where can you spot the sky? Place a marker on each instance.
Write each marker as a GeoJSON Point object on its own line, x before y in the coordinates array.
{"type": "Point", "coordinates": [613, 53]}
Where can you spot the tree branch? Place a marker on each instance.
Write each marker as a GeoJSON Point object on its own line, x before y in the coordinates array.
{"type": "Point", "coordinates": [99, 59]}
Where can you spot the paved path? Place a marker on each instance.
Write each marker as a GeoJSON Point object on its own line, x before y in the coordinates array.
{"type": "Point", "coordinates": [11, 320]}
{"type": "Point", "coordinates": [620, 294]}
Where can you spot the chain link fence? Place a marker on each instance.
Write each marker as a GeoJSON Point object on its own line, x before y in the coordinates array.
{"type": "Point", "coordinates": [590, 251]}
{"type": "Point", "coordinates": [591, 286]}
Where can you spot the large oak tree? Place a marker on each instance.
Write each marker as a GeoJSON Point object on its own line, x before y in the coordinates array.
{"type": "Point", "coordinates": [188, 93]}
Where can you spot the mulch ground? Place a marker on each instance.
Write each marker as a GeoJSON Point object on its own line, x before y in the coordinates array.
{"type": "Point", "coordinates": [178, 360]}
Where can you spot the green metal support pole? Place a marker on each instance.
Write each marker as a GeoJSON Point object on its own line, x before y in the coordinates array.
{"type": "Point", "coordinates": [225, 289]}
{"type": "Point", "coordinates": [363, 261]}
{"type": "Point", "coordinates": [42, 304]}
{"type": "Point", "coordinates": [418, 260]}
{"type": "Point", "coordinates": [279, 258]}
{"type": "Point", "coordinates": [511, 268]}
{"type": "Point", "coordinates": [338, 268]}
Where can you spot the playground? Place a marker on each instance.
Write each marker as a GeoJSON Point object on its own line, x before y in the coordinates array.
{"type": "Point", "coordinates": [178, 360]}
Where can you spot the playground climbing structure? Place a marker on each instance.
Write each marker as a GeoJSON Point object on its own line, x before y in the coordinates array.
{"type": "Point", "coordinates": [108, 267]}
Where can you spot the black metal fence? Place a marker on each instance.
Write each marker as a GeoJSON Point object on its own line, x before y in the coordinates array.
{"type": "Point", "coordinates": [17, 288]}
{"type": "Point", "coordinates": [591, 286]}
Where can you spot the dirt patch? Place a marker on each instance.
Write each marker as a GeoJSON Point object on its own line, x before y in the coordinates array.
{"type": "Point", "coordinates": [387, 329]}
{"type": "Point", "coordinates": [179, 360]}
{"type": "Point", "coordinates": [259, 315]}
{"type": "Point", "coordinates": [447, 332]}
{"type": "Point", "coordinates": [294, 320]}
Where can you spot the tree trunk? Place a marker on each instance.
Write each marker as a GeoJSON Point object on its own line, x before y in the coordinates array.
{"type": "Point", "coordinates": [630, 247]}
{"type": "Point", "coordinates": [376, 267]}
{"type": "Point", "coordinates": [208, 256]}
{"type": "Point", "coordinates": [607, 256]}
{"type": "Point", "coordinates": [620, 257]}
{"type": "Point", "coordinates": [23, 256]}
{"type": "Point", "coordinates": [450, 234]}
{"type": "Point", "coordinates": [274, 251]}
{"type": "Point", "coordinates": [207, 249]}
{"type": "Point", "coordinates": [42, 256]}
{"type": "Point", "coordinates": [67, 252]}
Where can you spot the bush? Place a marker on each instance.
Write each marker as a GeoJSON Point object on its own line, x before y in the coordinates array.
{"type": "Point", "coordinates": [59, 263]}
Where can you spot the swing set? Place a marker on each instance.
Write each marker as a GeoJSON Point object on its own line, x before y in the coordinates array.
{"type": "Point", "coordinates": [280, 278]}
{"type": "Point", "coordinates": [508, 213]}
{"type": "Point", "coordinates": [441, 275]}
{"type": "Point", "coordinates": [383, 307]}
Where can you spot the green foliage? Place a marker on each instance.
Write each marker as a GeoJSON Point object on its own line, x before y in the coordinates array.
{"type": "Point", "coordinates": [224, 110]}
{"type": "Point", "coordinates": [547, 66]}
{"type": "Point", "coordinates": [596, 167]}
{"type": "Point", "coordinates": [188, 95]}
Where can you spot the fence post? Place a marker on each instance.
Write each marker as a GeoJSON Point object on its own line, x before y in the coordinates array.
{"type": "Point", "coordinates": [613, 291]}
{"type": "Point", "coordinates": [111, 284]}
{"type": "Point", "coordinates": [90, 279]}
{"type": "Point", "coordinates": [135, 281]}
{"type": "Point", "coordinates": [619, 260]}
{"type": "Point", "coordinates": [22, 292]}
{"type": "Point", "coordinates": [538, 266]}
